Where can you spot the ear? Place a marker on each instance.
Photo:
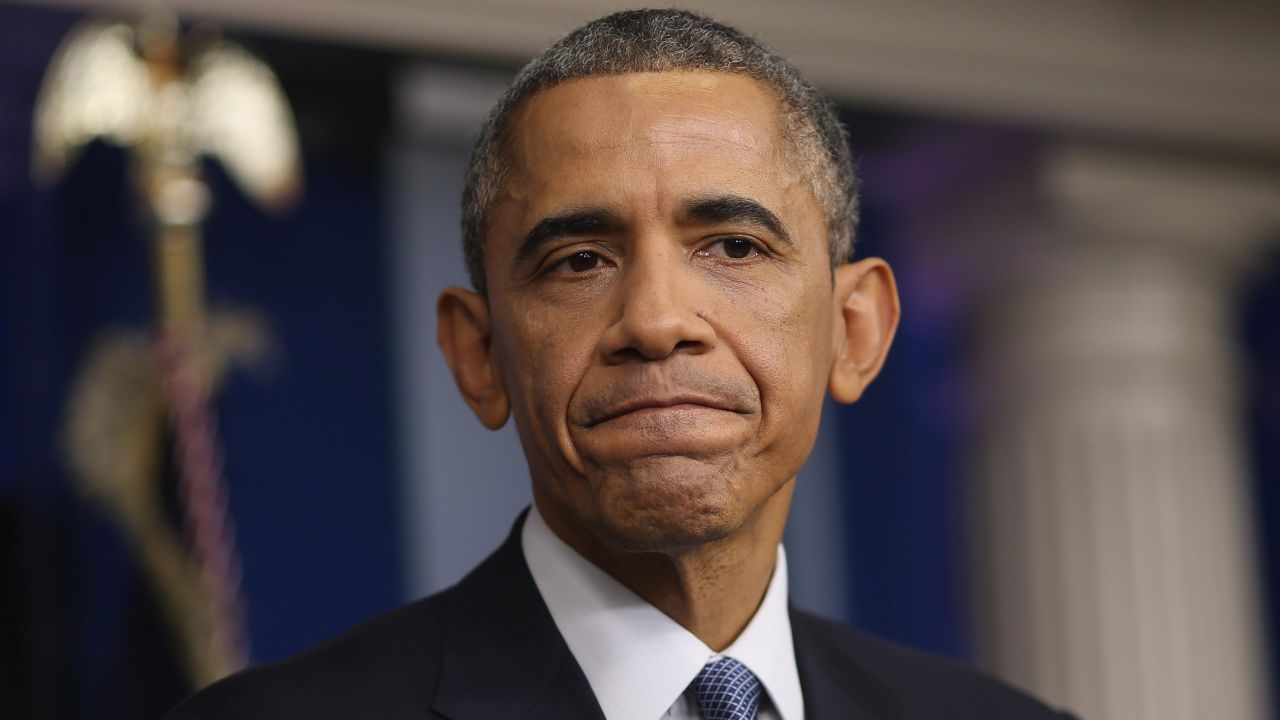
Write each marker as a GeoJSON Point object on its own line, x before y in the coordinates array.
{"type": "Point", "coordinates": [865, 319]}
{"type": "Point", "coordinates": [463, 331]}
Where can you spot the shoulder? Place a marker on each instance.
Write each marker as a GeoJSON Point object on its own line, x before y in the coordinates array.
{"type": "Point", "coordinates": [903, 682]}
{"type": "Point", "coordinates": [394, 665]}
{"type": "Point", "coordinates": [386, 668]}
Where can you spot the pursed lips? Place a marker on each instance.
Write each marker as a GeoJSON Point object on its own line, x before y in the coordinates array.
{"type": "Point", "coordinates": [637, 404]}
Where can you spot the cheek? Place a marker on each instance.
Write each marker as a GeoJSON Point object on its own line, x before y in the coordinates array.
{"type": "Point", "coordinates": [544, 358]}
{"type": "Point", "coordinates": [785, 344]}
{"type": "Point", "coordinates": [790, 320]}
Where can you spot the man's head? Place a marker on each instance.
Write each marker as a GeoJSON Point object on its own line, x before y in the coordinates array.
{"type": "Point", "coordinates": [653, 249]}
{"type": "Point", "coordinates": [663, 41]}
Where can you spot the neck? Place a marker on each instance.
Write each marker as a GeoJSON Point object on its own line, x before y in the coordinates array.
{"type": "Point", "coordinates": [712, 589]}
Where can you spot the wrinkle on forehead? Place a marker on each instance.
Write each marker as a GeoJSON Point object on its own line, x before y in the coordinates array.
{"type": "Point", "coordinates": [640, 141]}
{"type": "Point", "coordinates": [683, 128]}
{"type": "Point", "coordinates": [652, 109]}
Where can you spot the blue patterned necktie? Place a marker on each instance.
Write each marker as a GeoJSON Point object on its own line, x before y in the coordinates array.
{"type": "Point", "coordinates": [727, 691]}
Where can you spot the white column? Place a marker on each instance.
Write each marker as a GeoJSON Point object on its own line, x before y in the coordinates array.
{"type": "Point", "coordinates": [1112, 528]}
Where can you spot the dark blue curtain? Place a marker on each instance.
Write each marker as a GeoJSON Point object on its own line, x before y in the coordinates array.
{"type": "Point", "coordinates": [307, 443]}
{"type": "Point", "coordinates": [1261, 332]}
{"type": "Point", "coordinates": [903, 503]}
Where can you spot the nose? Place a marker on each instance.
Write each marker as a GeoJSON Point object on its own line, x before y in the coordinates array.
{"type": "Point", "coordinates": [658, 312]}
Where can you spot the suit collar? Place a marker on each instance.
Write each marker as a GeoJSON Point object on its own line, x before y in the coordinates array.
{"type": "Point", "coordinates": [638, 660]}
{"type": "Point", "coordinates": [835, 685]}
{"type": "Point", "coordinates": [503, 657]}
{"type": "Point", "coordinates": [499, 634]}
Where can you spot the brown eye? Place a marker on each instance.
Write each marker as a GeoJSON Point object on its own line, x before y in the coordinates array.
{"type": "Point", "coordinates": [738, 248]}
{"type": "Point", "coordinates": [734, 248]}
{"type": "Point", "coordinates": [583, 261]}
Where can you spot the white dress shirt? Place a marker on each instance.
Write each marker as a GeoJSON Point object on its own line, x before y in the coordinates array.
{"type": "Point", "coordinates": [638, 661]}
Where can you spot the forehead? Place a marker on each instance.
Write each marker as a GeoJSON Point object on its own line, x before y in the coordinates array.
{"type": "Point", "coordinates": [658, 106]}
{"type": "Point", "coordinates": [647, 140]}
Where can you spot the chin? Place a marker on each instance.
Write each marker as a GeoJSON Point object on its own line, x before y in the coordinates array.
{"type": "Point", "coordinates": [670, 503]}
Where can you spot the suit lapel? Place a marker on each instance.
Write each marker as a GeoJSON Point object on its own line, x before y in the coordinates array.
{"type": "Point", "coordinates": [504, 658]}
{"type": "Point", "coordinates": [502, 654]}
{"type": "Point", "coordinates": [834, 686]}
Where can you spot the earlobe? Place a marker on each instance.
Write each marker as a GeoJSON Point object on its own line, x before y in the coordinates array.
{"type": "Point", "coordinates": [864, 323]}
{"type": "Point", "coordinates": [463, 331]}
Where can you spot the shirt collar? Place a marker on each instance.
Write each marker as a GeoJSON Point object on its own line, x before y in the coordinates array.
{"type": "Point", "coordinates": [637, 660]}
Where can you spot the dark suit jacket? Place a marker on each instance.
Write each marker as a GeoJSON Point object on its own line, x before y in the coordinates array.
{"type": "Point", "coordinates": [488, 648]}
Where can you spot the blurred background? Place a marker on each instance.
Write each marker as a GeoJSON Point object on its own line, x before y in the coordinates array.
{"type": "Point", "coordinates": [1069, 473]}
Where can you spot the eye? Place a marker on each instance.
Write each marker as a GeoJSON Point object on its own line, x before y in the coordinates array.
{"type": "Point", "coordinates": [736, 248]}
{"type": "Point", "coordinates": [579, 262]}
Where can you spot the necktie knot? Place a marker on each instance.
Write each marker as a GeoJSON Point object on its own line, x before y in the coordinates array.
{"type": "Point", "coordinates": [727, 690]}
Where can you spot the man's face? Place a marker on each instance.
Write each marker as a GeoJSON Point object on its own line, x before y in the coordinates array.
{"type": "Point", "coordinates": [660, 300]}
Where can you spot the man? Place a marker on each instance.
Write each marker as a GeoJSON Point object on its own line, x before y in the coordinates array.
{"type": "Point", "coordinates": [657, 223]}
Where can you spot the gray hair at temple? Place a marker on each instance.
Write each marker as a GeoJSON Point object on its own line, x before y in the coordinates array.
{"type": "Point", "coordinates": [663, 40]}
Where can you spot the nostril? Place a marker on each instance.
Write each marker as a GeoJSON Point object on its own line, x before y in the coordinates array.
{"type": "Point", "coordinates": [691, 345]}
{"type": "Point", "coordinates": [627, 355]}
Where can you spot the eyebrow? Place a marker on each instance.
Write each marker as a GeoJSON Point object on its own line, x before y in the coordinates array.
{"type": "Point", "coordinates": [594, 221]}
{"type": "Point", "coordinates": [574, 223]}
{"type": "Point", "coordinates": [735, 208]}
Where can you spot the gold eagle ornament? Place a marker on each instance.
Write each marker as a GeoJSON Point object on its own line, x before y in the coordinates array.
{"type": "Point", "coordinates": [128, 85]}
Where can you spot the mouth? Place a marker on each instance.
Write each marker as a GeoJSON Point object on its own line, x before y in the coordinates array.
{"type": "Point", "coordinates": [638, 407]}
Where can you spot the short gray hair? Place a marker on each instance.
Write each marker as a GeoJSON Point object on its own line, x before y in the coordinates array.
{"type": "Point", "coordinates": [663, 40]}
